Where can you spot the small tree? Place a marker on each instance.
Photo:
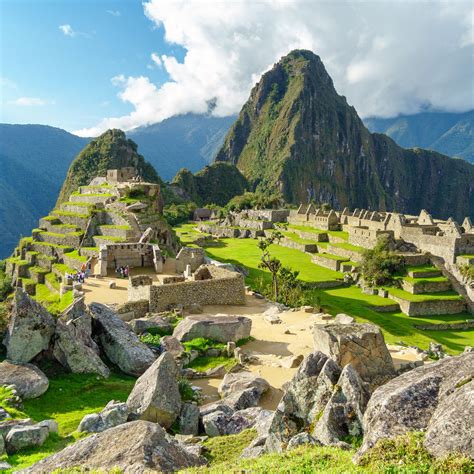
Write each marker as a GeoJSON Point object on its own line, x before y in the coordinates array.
{"type": "Point", "coordinates": [272, 264]}
{"type": "Point", "coordinates": [379, 264]}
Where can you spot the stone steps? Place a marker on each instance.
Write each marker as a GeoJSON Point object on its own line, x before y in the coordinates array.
{"type": "Point", "coordinates": [115, 231]}
{"type": "Point", "coordinates": [95, 189]}
{"type": "Point", "coordinates": [424, 273]}
{"type": "Point", "coordinates": [37, 274]}
{"type": "Point", "coordinates": [63, 228]}
{"type": "Point", "coordinates": [71, 239]}
{"type": "Point", "coordinates": [78, 219]}
{"type": "Point", "coordinates": [83, 208]}
{"type": "Point", "coordinates": [421, 286]}
{"type": "Point", "coordinates": [49, 249]}
{"type": "Point", "coordinates": [327, 262]}
{"type": "Point", "coordinates": [90, 198]}
{"type": "Point", "coordinates": [106, 239]}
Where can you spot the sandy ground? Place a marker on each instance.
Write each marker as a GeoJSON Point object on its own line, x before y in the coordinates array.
{"type": "Point", "coordinates": [96, 289]}
{"type": "Point", "coordinates": [274, 344]}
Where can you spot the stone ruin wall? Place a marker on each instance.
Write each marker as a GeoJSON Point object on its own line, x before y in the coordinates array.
{"type": "Point", "coordinates": [272, 215]}
{"type": "Point", "coordinates": [192, 256]}
{"type": "Point", "coordinates": [224, 288]}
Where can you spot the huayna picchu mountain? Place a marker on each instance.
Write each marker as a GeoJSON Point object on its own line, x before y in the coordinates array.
{"type": "Point", "coordinates": [297, 135]}
{"type": "Point", "coordinates": [111, 150]}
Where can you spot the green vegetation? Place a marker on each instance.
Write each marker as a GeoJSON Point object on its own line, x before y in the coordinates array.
{"type": "Point", "coordinates": [201, 344]}
{"type": "Point", "coordinates": [39, 270]}
{"type": "Point", "coordinates": [403, 454]}
{"type": "Point", "coordinates": [74, 254]}
{"type": "Point", "coordinates": [109, 237]}
{"type": "Point", "coordinates": [63, 268]}
{"type": "Point", "coordinates": [380, 265]}
{"type": "Point", "coordinates": [186, 390]}
{"type": "Point", "coordinates": [347, 246]}
{"type": "Point", "coordinates": [53, 281]}
{"type": "Point", "coordinates": [442, 295]}
{"type": "Point", "coordinates": [203, 363]}
{"type": "Point", "coordinates": [177, 213]}
{"type": "Point", "coordinates": [467, 271]}
{"type": "Point", "coordinates": [396, 326]}
{"type": "Point", "coordinates": [71, 214]}
{"type": "Point", "coordinates": [51, 300]}
{"type": "Point", "coordinates": [257, 200]}
{"type": "Point", "coordinates": [69, 398]}
{"type": "Point", "coordinates": [119, 227]}
{"type": "Point", "coordinates": [152, 339]}
{"type": "Point", "coordinates": [111, 150]}
{"type": "Point", "coordinates": [5, 282]}
{"type": "Point", "coordinates": [334, 233]}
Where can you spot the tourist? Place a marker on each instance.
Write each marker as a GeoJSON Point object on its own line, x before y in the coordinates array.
{"type": "Point", "coordinates": [126, 271]}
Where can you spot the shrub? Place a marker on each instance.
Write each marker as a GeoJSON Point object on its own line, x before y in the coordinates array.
{"type": "Point", "coordinates": [177, 213]}
{"type": "Point", "coordinates": [201, 344]}
{"type": "Point", "coordinates": [153, 339]}
{"type": "Point", "coordinates": [186, 391]}
{"type": "Point", "coordinates": [379, 264]}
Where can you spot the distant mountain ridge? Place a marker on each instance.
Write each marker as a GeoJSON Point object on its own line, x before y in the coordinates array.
{"type": "Point", "coordinates": [449, 133]}
{"type": "Point", "coordinates": [34, 160]}
{"type": "Point", "coordinates": [297, 135]}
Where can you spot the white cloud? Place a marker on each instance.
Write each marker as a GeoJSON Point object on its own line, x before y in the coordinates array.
{"type": "Point", "coordinates": [29, 102]}
{"type": "Point", "coordinates": [156, 59]}
{"type": "Point", "coordinates": [67, 30]}
{"type": "Point", "coordinates": [115, 13]}
{"type": "Point", "coordinates": [386, 57]}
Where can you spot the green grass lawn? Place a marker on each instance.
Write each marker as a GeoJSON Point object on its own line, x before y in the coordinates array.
{"type": "Point", "coordinates": [442, 295]}
{"type": "Point", "coordinates": [69, 398]}
{"type": "Point", "coordinates": [347, 246]}
{"type": "Point", "coordinates": [438, 279]}
{"type": "Point", "coordinates": [335, 233]}
{"type": "Point", "coordinates": [296, 238]}
{"type": "Point", "coordinates": [396, 326]}
{"type": "Point", "coordinates": [245, 252]}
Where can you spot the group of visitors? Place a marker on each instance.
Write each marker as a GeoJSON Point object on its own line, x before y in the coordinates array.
{"type": "Point", "coordinates": [122, 272]}
{"type": "Point", "coordinates": [78, 277]}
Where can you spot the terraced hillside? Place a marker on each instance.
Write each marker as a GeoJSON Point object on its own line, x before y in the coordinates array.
{"type": "Point", "coordinates": [71, 235]}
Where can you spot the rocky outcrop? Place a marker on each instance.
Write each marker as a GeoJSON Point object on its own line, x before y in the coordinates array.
{"type": "Point", "coordinates": [189, 419]}
{"type": "Point", "coordinates": [239, 381]}
{"type": "Point", "coordinates": [22, 437]}
{"type": "Point", "coordinates": [221, 328]}
{"type": "Point", "coordinates": [361, 345]}
{"type": "Point", "coordinates": [30, 329]}
{"type": "Point", "coordinates": [73, 347]}
{"type": "Point", "coordinates": [135, 447]}
{"type": "Point", "coordinates": [119, 342]}
{"type": "Point", "coordinates": [304, 400]}
{"type": "Point", "coordinates": [28, 380]}
{"type": "Point", "coordinates": [221, 423]}
{"type": "Point", "coordinates": [114, 414]}
{"type": "Point", "coordinates": [343, 414]}
{"type": "Point", "coordinates": [436, 398]}
{"type": "Point", "coordinates": [141, 325]}
{"type": "Point", "coordinates": [155, 396]}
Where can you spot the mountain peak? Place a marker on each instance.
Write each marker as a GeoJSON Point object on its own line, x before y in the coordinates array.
{"type": "Point", "coordinates": [298, 136]}
{"type": "Point", "coordinates": [110, 150]}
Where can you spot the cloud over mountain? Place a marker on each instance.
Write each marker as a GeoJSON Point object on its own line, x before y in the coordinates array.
{"type": "Point", "coordinates": [388, 58]}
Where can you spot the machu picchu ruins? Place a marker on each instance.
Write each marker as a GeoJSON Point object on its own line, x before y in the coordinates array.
{"type": "Point", "coordinates": [206, 284]}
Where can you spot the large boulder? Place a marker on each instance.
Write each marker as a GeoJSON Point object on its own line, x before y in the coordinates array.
{"type": "Point", "coordinates": [135, 447]}
{"type": "Point", "coordinates": [361, 345]}
{"type": "Point", "coordinates": [189, 419]}
{"type": "Point", "coordinates": [304, 400]}
{"type": "Point", "coordinates": [114, 414]}
{"type": "Point", "coordinates": [344, 411]}
{"type": "Point", "coordinates": [220, 423]}
{"type": "Point", "coordinates": [22, 437]}
{"type": "Point", "coordinates": [157, 323]}
{"type": "Point", "coordinates": [28, 380]}
{"type": "Point", "coordinates": [238, 381]}
{"type": "Point", "coordinates": [437, 399]}
{"type": "Point", "coordinates": [221, 328]}
{"type": "Point", "coordinates": [30, 328]}
{"type": "Point", "coordinates": [74, 348]}
{"type": "Point", "coordinates": [155, 396]}
{"type": "Point", "coordinates": [119, 342]}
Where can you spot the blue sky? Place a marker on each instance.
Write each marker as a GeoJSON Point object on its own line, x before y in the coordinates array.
{"type": "Point", "coordinates": [71, 75]}
{"type": "Point", "coordinates": [86, 65]}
